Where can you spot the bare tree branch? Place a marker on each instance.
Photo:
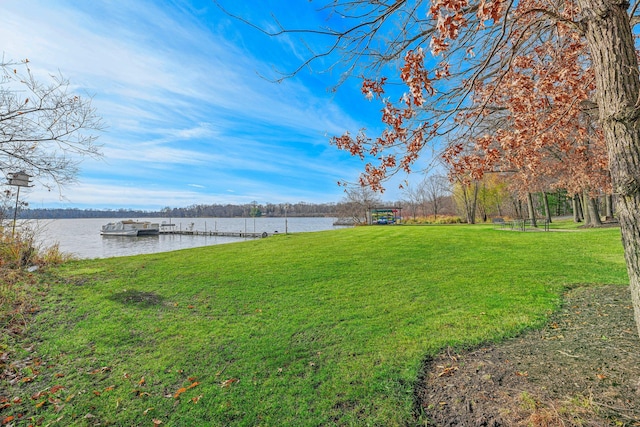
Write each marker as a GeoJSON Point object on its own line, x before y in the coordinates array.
{"type": "Point", "coordinates": [44, 129]}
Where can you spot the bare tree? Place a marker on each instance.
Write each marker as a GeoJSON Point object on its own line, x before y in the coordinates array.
{"type": "Point", "coordinates": [412, 199]}
{"type": "Point", "coordinates": [45, 130]}
{"type": "Point", "coordinates": [357, 203]}
{"type": "Point", "coordinates": [466, 196]}
{"type": "Point", "coordinates": [436, 188]}
{"type": "Point", "coordinates": [417, 197]}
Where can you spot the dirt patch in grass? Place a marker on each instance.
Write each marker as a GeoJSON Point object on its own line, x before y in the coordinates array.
{"type": "Point", "coordinates": [582, 369]}
{"type": "Point", "coordinates": [137, 298]}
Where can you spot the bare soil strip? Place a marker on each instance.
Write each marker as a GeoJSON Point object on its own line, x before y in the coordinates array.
{"type": "Point", "coordinates": [582, 369]}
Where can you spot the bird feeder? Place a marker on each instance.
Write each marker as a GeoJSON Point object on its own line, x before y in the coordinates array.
{"type": "Point", "coordinates": [18, 179]}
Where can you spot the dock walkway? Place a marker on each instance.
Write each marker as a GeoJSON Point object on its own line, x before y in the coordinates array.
{"type": "Point", "coordinates": [241, 234]}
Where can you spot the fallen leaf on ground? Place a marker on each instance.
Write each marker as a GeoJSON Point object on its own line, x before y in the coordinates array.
{"type": "Point", "coordinates": [55, 389]}
{"type": "Point", "coordinates": [447, 371]}
{"type": "Point", "coordinates": [38, 395]}
{"type": "Point", "coordinates": [227, 383]}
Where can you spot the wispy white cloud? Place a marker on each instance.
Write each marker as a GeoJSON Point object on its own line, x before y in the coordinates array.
{"type": "Point", "coordinates": [179, 88]}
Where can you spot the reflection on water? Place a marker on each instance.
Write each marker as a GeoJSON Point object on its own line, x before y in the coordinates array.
{"type": "Point", "coordinates": [81, 237]}
{"type": "Point", "coordinates": [111, 244]}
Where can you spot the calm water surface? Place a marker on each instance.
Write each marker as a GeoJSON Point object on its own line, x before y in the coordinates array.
{"type": "Point", "coordinates": [81, 237]}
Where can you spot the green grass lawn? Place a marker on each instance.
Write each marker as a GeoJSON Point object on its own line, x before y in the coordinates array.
{"type": "Point", "coordinates": [326, 328]}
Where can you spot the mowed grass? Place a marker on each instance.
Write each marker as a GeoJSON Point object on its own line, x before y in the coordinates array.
{"type": "Point", "coordinates": [326, 328]}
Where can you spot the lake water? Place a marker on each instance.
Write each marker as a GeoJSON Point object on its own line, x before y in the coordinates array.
{"type": "Point", "coordinates": [82, 239]}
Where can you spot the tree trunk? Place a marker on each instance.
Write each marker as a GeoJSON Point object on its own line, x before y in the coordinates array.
{"type": "Point", "coordinates": [465, 199]}
{"type": "Point", "coordinates": [520, 211]}
{"type": "Point", "coordinates": [594, 213]}
{"type": "Point", "coordinates": [532, 212]}
{"type": "Point", "coordinates": [608, 201]}
{"type": "Point", "coordinates": [516, 207]}
{"type": "Point", "coordinates": [547, 212]}
{"type": "Point", "coordinates": [577, 212]}
{"type": "Point", "coordinates": [586, 214]}
{"type": "Point", "coordinates": [615, 64]}
{"type": "Point", "coordinates": [471, 208]}
{"type": "Point", "coordinates": [580, 207]}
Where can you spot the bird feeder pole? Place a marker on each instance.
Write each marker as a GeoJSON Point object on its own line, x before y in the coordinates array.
{"type": "Point", "coordinates": [18, 179]}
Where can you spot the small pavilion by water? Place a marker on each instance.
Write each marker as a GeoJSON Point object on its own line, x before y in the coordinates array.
{"type": "Point", "coordinates": [385, 215]}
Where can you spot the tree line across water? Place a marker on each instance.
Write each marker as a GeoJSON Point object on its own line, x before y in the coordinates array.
{"type": "Point", "coordinates": [430, 199]}
{"type": "Point", "coordinates": [193, 211]}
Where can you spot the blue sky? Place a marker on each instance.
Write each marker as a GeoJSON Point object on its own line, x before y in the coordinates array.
{"type": "Point", "coordinates": [190, 119]}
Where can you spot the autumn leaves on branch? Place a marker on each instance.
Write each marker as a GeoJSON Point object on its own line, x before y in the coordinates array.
{"type": "Point", "coordinates": [506, 95]}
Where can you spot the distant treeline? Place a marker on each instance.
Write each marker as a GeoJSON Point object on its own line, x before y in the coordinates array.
{"type": "Point", "coordinates": [300, 209]}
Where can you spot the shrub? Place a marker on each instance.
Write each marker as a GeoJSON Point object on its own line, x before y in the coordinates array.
{"type": "Point", "coordinates": [440, 219]}
{"type": "Point", "coordinates": [21, 250]}
{"type": "Point", "coordinates": [16, 251]}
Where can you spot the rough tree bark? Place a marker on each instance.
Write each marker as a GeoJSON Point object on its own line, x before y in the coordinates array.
{"type": "Point", "coordinates": [610, 38]}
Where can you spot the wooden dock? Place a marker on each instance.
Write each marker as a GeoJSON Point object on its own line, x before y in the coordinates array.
{"type": "Point", "coordinates": [239, 234]}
